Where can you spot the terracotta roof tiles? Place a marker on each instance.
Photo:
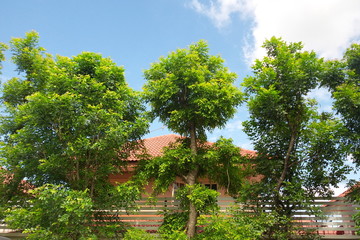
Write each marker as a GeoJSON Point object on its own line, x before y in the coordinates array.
{"type": "Point", "coordinates": [154, 145]}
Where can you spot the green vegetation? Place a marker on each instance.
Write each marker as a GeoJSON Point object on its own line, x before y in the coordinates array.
{"type": "Point", "coordinates": [345, 88]}
{"type": "Point", "coordinates": [191, 91]}
{"type": "Point", "coordinates": [343, 81]}
{"type": "Point", "coordinates": [68, 123]}
{"type": "Point", "coordinates": [300, 151]}
{"type": "Point", "coordinates": [55, 212]}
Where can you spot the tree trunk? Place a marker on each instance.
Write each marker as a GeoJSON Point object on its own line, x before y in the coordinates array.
{"type": "Point", "coordinates": [277, 198]}
{"type": "Point", "coordinates": [191, 180]}
{"type": "Point", "coordinates": [286, 162]}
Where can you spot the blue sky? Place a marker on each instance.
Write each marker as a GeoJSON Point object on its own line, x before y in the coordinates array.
{"type": "Point", "coordinates": [136, 33]}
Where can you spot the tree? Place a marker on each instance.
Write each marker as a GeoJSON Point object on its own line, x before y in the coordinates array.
{"type": "Point", "coordinates": [68, 121]}
{"type": "Point", "coordinates": [191, 91]}
{"type": "Point", "coordinates": [345, 89]}
{"type": "Point", "coordinates": [346, 93]}
{"type": "Point", "coordinates": [300, 152]}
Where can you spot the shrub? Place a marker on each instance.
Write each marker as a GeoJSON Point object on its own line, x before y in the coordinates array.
{"type": "Point", "coordinates": [55, 212]}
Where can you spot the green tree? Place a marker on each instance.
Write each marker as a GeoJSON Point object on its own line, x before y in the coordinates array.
{"type": "Point", "coordinates": [345, 89]}
{"type": "Point", "coordinates": [346, 92]}
{"type": "Point", "coordinates": [347, 103]}
{"type": "Point", "coordinates": [191, 91]}
{"type": "Point", "coordinates": [68, 121]}
{"type": "Point", "coordinates": [300, 151]}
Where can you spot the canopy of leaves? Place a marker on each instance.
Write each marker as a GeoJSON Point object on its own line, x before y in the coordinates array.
{"type": "Point", "coordinates": [67, 120]}
{"type": "Point", "coordinates": [347, 99]}
{"type": "Point", "coordinates": [190, 91]}
{"type": "Point", "coordinates": [189, 86]}
{"type": "Point", "coordinates": [297, 146]}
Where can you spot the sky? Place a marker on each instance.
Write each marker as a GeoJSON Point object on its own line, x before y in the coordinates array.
{"type": "Point", "coordinates": [136, 33]}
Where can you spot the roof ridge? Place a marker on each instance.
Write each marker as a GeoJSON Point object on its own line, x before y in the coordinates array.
{"type": "Point", "coordinates": [162, 136]}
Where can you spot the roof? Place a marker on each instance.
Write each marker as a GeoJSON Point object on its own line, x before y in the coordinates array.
{"type": "Point", "coordinates": [154, 146]}
{"type": "Point", "coordinates": [349, 190]}
{"type": "Point", "coordinates": [6, 177]}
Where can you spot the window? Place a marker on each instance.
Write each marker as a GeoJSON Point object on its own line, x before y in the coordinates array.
{"type": "Point", "coordinates": [212, 186]}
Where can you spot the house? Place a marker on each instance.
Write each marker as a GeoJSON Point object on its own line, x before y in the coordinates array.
{"type": "Point", "coordinates": [154, 147]}
{"type": "Point", "coordinates": [6, 177]}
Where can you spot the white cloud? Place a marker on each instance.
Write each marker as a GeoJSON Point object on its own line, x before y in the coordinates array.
{"type": "Point", "coordinates": [326, 26]}
{"type": "Point", "coordinates": [234, 126]}
{"type": "Point", "coordinates": [220, 11]}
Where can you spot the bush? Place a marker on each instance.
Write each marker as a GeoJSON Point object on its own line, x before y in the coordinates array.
{"type": "Point", "coordinates": [234, 226]}
{"type": "Point", "coordinates": [55, 212]}
{"type": "Point", "coordinates": [174, 222]}
{"type": "Point", "coordinates": [138, 234]}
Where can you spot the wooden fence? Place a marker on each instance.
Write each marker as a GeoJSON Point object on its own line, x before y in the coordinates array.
{"type": "Point", "coordinates": [330, 218]}
{"type": "Point", "coordinates": [334, 222]}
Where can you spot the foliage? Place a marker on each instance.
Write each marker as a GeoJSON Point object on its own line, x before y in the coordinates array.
{"type": "Point", "coordinates": [356, 219]}
{"type": "Point", "coordinates": [245, 222]}
{"type": "Point", "coordinates": [119, 198]}
{"type": "Point", "coordinates": [190, 91]}
{"type": "Point", "coordinates": [347, 98]}
{"type": "Point", "coordinates": [176, 160]}
{"type": "Point", "coordinates": [300, 151]}
{"type": "Point", "coordinates": [67, 120]}
{"type": "Point", "coordinates": [347, 103]}
{"type": "Point", "coordinates": [174, 235]}
{"type": "Point", "coordinates": [55, 212]}
{"type": "Point", "coordinates": [174, 221]}
{"type": "Point", "coordinates": [189, 86]}
{"type": "Point", "coordinates": [345, 89]}
{"type": "Point", "coordinates": [282, 227]}
{"type": "Point", "coordinates": [235, 225]}
{"type": "Point", "coordinates": [204, 199]}
{"type": "Point", "coordinates": [353, 195]}
{"type": "Point", "coordinates": [124, 195]}
{"type": "Point", "coordinates": [225, 165]}
{"type": "Point", "coordinates": [72, 209]}
{"type": "Point", "coordinates": [3, 47]}
{"type": "Point", "coordinates": [220, 162]}
{"type": "Point", "coordinates": [138, 234]}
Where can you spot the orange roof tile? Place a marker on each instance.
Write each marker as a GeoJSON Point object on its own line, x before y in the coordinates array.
{"type": "Point", "coordinates": [154, 145]}
{"type": "Point", "coordinates": [348, 191]}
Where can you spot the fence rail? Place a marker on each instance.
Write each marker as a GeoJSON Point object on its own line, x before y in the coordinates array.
{"type": "Point", "coordinates": [334, 221]}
